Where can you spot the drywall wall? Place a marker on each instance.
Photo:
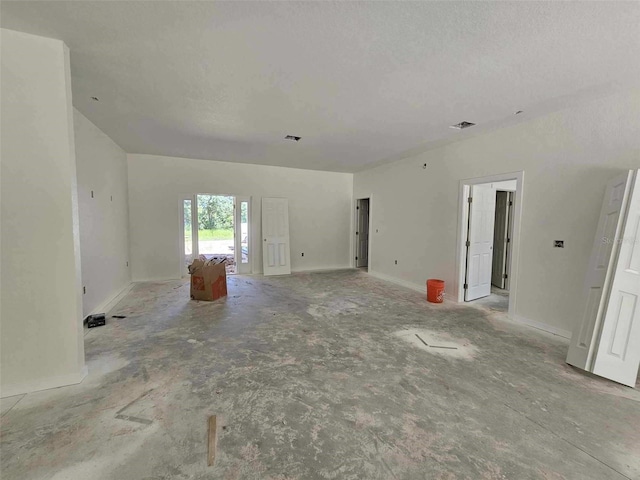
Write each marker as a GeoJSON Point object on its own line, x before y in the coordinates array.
{"type": "Point", "coordinates": [567, 157]}
{"type": "Point", "coordinates": [104, 215]}
{"type": "Point", "coordinates": [319, 210]}
{"type": "Point", "coordinates": [41, 306]}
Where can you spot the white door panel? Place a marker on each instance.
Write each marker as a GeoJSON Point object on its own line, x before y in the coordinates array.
{"type": "Point", "coordinates": [275, 233]}
{"type": "Point", "coordinates": [584, 338]}
{"type": "Point", "coordinates": [480, 247]}
{"type": "Point", "coordinates": [618, 351]}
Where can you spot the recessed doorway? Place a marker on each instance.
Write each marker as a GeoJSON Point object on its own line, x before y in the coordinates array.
{"type": "Point", "coordinates": [488, 241]}
{"type": "Point", "coordinates": [362, 233]}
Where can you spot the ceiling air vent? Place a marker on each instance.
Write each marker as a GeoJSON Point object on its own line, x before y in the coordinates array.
{"type": "Point", "coordinates": [462, 125]}
{"type": "Point", "coordinates": [292, 138]}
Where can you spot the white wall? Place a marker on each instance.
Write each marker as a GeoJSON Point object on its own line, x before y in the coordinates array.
{"type": "Point", "coordinates": [104, 218]}
{"type": "Point", "coordinates": [567, 157]}
{"type": "Point", "coordinates": [319, 210]}
{"type": "Point", "coordinates": [41, 306]}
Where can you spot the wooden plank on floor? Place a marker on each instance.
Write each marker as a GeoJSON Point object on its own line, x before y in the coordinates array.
{"type": "Point", "coordinates": [211, 456]}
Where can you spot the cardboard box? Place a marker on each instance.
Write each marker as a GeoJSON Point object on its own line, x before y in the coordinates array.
{"type": "Point", "coordinates": [208, 279]}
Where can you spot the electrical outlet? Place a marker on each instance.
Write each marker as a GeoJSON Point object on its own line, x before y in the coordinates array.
{"type": "Point", "coordinates": [84, 290]}
{"type": "Point", "coordinates": [303, 254]}
{"type": "Point", "coordinates": [127, 264]}
{"type": "Point", "coordinates": [558, 243]}
{"type": "Point", "coordinates": [396, 262]}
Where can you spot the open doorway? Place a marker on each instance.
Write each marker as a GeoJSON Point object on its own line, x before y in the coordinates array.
{"type": "Point", "coordinates": [489, 241]}
{"type": "Point", "coordinates": [502, 233]}
{"type": "Point", "coordinates": [362, 233]}
{"type": "Point", "coordinates": [216, 227]}
{"type": "Point", "coordinates": [216, 239]}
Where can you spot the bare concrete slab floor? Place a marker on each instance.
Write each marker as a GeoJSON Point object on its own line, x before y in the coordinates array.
{"type": "Point", "coordinates": [498, 301]}
{"type": "Point", "coordinates": [321, 376]}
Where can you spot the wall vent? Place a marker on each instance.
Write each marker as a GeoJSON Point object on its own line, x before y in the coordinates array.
{"type": "Point", "coordinates": [462, 125]}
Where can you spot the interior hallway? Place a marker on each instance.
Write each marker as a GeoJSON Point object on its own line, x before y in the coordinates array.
{"type": "Point", "coordinates": [320, 376]}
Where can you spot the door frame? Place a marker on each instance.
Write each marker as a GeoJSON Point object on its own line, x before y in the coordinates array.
{"type": "Point", "coordinates": [237, 224]}
{"type": "Point", "coordinates": [463, 217]}
{"type": "Point", "coordinates": [194, 231]}
{"type": "Point", "coordinates": [354, 226]}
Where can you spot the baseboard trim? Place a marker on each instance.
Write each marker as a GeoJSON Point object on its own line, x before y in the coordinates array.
{"type": "Point", "coordinates": [545, 327]}
{"type": "Point", "coordinates": [398, 281]}
{"type": "Point", "coordinates": [44, 384]}
{"type": "Point", "coordinates": [108, 304]}
{"type": "Point", "coordinates": [157, 279]}
{"type": "Point", "coordinates": [323, 269]}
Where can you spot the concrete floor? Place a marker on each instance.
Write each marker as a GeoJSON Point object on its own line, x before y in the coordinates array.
{"type": "Point", "coordinates": [497, 301]}
{"type": "Point", "coordinates": [321, 376]}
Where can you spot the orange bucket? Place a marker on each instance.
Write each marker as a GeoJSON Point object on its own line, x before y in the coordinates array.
{"type": "Point", "coordinates": [435, 290]}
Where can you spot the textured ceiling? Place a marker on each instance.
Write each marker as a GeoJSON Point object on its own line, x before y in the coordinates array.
{"type": "Point", "coordinates": [362, 83]}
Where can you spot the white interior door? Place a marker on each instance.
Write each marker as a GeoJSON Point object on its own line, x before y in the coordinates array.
{"type": "Point", "coordinates": [480, 241]}
{"type": "Point", "coordinates": [585, 334]}
{"type": "Point", "coordinates": [362, 256]}
{"type": "Point", "coordinates": [275, 234]}
{"type": "Point", "coordinates": [242, 212]}
{"type": "Point", "coordinates": [608, 319]}
{"type": "Point", "coordinates": [618, 351]}
{"type": "Point", "coordinates": [500, 239]}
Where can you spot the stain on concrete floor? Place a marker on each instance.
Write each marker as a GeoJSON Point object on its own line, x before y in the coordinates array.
{"type": "Point", "coordinates": [310, 381]}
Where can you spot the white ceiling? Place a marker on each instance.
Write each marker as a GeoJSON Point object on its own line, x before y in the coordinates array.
{"type": "Point", "coordinates": [362, 83]}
